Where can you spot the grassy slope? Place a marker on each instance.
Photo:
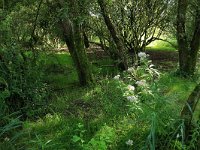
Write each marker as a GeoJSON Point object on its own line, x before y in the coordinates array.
{"type": "Point", "coordinates": [101, 109]}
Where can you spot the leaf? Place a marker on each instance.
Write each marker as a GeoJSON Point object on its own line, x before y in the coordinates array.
{"type": "Point", "coordinates": [4, 94]}
{"type": "Point", "coordinates": [76, 138]}
{"type": "Point", "coordinates": [2, 81]}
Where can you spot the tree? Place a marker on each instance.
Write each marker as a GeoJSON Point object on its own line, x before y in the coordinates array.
{"type": "Point", "coordinates": [22, 75]}
{"type": "Point", "coordinates": [188, 35]}
{"type": "Point", "coordinates": [113, 32]}
{"type": "Point", "coordinates": [72, 34]}
{"type": "Point", "coordinates": [141, 22]}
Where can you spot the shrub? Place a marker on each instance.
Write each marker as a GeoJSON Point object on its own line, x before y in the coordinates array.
{"type": "Point", "coordinates": [23, 78]}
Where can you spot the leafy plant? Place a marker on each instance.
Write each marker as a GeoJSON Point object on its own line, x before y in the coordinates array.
{"type": "Point", "coordinates": [9, 123]}
{"type": "Point", "coordinates": [23, 80]}
{"type": "Point", "coordinates": [102, 139]}
{"type": "Point", "coordinates": [79, 137]}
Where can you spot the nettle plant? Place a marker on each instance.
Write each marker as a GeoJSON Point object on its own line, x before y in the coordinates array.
{"type": "Point", "coordinates": [139, 79]}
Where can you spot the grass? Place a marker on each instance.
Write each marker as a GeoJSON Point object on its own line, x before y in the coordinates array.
{"type": "Point", "coordinates": [103, 112]}
{"type": "Point", "coordinates": [175, 86]}
{"type": "Point", "coordinates": [93, 107]}
{"type": "Point", "coordinates": [98, 117]}
{"type": "Point", "coordinates": [60, 70]}
{"type": "Point", "coordinates": [162, 46]}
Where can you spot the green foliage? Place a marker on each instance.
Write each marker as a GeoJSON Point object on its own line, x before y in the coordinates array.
{"type": "Point", "coordinates": [138, 109]}
{"type": "Point", "coordinates": [10, 131]}
{"type": "Point", "coordinates": [24, 82]}
{"type": "Point", "coordinates": [78, 138]}
{"type": "Point", "coordinates": [9, 124]}
{"type": "Point", "coordinates": [194, 142]}
{"type": "Point", "coordinates": [102, 139]}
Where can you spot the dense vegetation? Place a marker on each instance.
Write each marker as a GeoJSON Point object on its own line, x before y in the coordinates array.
{"type": "Point", "coordinates": [99, 74]}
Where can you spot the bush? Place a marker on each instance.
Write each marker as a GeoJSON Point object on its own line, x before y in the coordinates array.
{"type": "Point", "coordinates": [22, 76]}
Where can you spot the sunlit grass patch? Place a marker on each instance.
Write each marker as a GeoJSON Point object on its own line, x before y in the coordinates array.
{"type": "Point", "coordinates": [162, 46]}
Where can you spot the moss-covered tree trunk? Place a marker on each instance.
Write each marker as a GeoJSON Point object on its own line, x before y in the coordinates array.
{"type": "Point", "coordinates": [84, 70]}
{"type": "Point", "coordinates": [73, 37]}
{"type": "Point", "coordinates": [188, 49]}
{"type": "Point", "coordinates": [119, 44]}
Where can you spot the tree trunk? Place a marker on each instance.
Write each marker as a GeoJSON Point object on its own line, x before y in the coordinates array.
{"type": "Point", "coordinates": [189, 109]}
{"type": "Point", "coordinates": [194, 44]}
{"type": "Point", "coordinates": [188, 50]}
{"type": "Point", "coordinates": [74, 41]}
{"type": "Point", "coordinates": [73, 37]}
{"type": "Point", "coordinates": [85, 74]}
{"type": "Point", "coordinates": [113, 32]}
{"type": "Point", "coordinates": [183, 46]}
{"type": "Point", "coordinates": [86, 40]}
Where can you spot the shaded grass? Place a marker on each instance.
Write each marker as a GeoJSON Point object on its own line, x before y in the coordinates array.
{"type": "Point", "coordinates": [61, 72]}
{"type": "Point", "coordinates": [94, 107]}
{"type": "Point", "coordinates": [103, 111]}
{"type": "Point", "coordinates": [104, 67]}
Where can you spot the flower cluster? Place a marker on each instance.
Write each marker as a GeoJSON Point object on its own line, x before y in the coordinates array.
{"type": "Point", "coordinates": [129, 142]}
{"type": "Point", "coordinates": [130, 94]}
{"type": "Point", "coordinates": [141, 83]}
{"type": "Point", "coordinates": [138, 80]}
{"type": "Point", "coordinates": [131, 69]}
{"type": "Point", "coordinates": [136, 83]}
{"type": "Point", "coordinates": [117, 77]}
{"type": "Point", "coordinates": [131, 88]}
{"type": "Point", "coordinates": [132, 99]}
{"type": "Point", "coordinates": [142, 55]}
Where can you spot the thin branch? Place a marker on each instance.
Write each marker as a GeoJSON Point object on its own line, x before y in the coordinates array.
{"type": "Point", "coordinates": [35, 21]}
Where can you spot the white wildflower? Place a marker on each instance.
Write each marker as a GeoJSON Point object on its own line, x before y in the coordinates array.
{"type": "Point", "coordinates": [141, 83]}
{"type": "Point", "coordinates": [131, 88]}
{"type": "Point", "coordinates": [6, 139]}
{"type": "Point", "coordinates": [132, 99]}
{"type": "Point", "coordinates": [129, 142]}
{"type": "Point", "coordinates": [142, 55]}
{"type": "Point", "coordinates": [117, 77]}
{"type": "Point", "coordinates": [131, 69]}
